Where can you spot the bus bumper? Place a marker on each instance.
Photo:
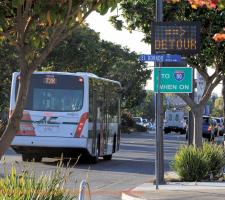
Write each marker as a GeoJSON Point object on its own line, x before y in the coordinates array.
{"type": "Point", "coordinates": [50, 146]}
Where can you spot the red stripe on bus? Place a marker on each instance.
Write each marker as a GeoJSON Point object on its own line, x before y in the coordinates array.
{"type": "Point", "coordinates": [80, 126]}
{"type": "Point", "coordinates": [28, 129]}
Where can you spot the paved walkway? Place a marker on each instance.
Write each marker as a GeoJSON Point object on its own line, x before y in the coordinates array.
{"type": "Point", "coordinates": [178, 190]}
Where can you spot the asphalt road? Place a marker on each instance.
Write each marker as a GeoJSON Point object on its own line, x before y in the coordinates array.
{"type": "Point", "coordinates": [133, 165]}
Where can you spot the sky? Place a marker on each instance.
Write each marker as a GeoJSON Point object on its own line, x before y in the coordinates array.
{"type": "Point", "coordinates": [107, 32]}
{"type": "Point", "coordinates": [131, 40]}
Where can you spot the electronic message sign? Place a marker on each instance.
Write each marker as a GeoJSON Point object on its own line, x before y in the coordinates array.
{"type": "Point", "coordinates": [175, 37]}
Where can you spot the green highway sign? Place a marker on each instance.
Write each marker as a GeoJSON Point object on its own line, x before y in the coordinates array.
{"type": "Point", "coordinates": [174, 80]}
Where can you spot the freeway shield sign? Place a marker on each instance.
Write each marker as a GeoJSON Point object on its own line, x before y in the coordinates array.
{"type": "Point", "coordinates": [174, 80]}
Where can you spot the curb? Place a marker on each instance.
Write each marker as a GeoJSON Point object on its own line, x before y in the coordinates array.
{"type": "Point", "coordinates": [141, 192]}
{"type": "Point", "coordinates": [129, 196]}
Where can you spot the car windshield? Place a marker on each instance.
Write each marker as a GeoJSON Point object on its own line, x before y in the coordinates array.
{"type": "Point", "coordinates": [137, 119]}
{"type": "Point", "coordinates": [206, 120]}
{"type": "Point", "coordinates": [218, 121]}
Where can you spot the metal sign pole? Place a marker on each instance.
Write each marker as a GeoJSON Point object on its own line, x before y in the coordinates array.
{"type": "Point", "coordinates": [159, 147]}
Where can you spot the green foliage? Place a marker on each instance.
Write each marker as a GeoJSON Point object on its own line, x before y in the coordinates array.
{"type": "Point", "coordinates": [190, 164]}
{"type": "Point", "coordinates": [215, 156]}
{"type": "Point", "coordinates": [126, 119]}
{"type": "Point", "coordinates": [217, 107]}
{"type": "Point", "coordinates": [7, 65]}
{"type": "Point", "coordinates": [195, 164]}
{"type": "Point", "coordinates": [146, 108]}
{"type": "Point", "coordinates": [117, 23]}
{"type": "Point", "coordinates": [84, 51]}
{"type": "Point", "coordinates": [26, 185]}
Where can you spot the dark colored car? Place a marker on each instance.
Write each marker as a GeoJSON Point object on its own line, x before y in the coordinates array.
{"type": "Point", "coordinates": [208, 128]}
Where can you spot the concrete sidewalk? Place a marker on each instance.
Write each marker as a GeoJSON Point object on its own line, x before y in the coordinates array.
{"type": "Point", "coordinates": [177, 190]}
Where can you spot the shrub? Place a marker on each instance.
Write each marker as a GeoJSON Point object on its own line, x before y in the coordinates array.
{"type": "Point", "coordinates": [26, 185]}
{"type": "Point", "coordinates": [189, 163]}
{"type": "Point", "coordinates": [126, 119]}
{"type": "Point", "coordinates": [195, 164]}
{"type": "Point", "coordinates": [215, 156]}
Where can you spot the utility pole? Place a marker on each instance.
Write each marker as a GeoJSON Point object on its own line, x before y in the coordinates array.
{"type": "Point", "coordinates": [159, 164]}
{"type": "Point", "coordinates": [190, 115]}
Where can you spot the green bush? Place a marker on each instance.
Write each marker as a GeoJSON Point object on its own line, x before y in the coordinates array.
{"type": "Point", "coordinates": [126, 119]}
{"type": "Point", "coordinates": [189, 163]}
{"type": "Point", "coordinates": [215, 156]}
{"type": "Point", "coordinates": [195, 164]}
{"type": "Point", "coordinates": [25, 185]}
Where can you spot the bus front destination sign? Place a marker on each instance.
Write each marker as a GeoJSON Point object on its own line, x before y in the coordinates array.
{"type": "Point", "coordinates": [175, 37]}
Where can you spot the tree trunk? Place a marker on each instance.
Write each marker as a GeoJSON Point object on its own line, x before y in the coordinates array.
{"type": "Point", "coordinates": [14, 120]}
{"type": "Point", "coordinates": [197, 136]}
{"type": "Point", "coordinates": [223, 94]}
{"type": "Point", "coordinates": [190, 128]}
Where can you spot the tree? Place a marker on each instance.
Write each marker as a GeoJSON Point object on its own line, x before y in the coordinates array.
{"type": "Point", "coordinates": [217, 107]}
{"type": "Point", "coordinates": [84, 51]}
{"type": "Point", "coordinates": [7, 66]}
{"type": "Point", "coordinates": [146, 108]}
{"type": "Point", "coordinates": [34, 29]}
{"type": "Point", "coordinates": [210, 4]}
{"type": "Point", "coordinates": [139, 14]}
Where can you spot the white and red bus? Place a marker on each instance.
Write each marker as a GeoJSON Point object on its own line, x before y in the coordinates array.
{"type": "Point", "coordinates": [70, 114]}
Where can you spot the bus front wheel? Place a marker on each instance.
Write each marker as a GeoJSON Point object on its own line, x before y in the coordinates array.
{"type": "Point", "coordinates": [30, 158]}
{"type": "Point", "coordinates": [107, 157]}
{"type": "Point", "coordinates": [94, 159]}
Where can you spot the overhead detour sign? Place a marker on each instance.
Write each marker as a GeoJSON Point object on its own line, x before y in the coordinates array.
{"type": "Point", "coordinates": [175, 37]}
{"type": "Point", "coordinates": [174, 80]}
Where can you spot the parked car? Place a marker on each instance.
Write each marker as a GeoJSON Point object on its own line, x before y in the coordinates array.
{"type": "Point", "coordinates": [151, 126]}
{"type": "Point", "coordinates": [208, 127]}
{"type": "Point", "coordinates": [138, 121]}
{"type": "Point", "coordinates": [140, 124]}
{"type": "Point", "coordinates": [145, 122]}
{"type": "Point", "coordinates": [219, 127]}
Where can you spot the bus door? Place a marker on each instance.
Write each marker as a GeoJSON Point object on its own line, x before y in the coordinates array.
{"type": "Point", "coordinates": [102, 123]}
{"type": "Point", "coordinates": [93, 120]}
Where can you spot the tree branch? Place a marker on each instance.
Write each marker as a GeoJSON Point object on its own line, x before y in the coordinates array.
{"type": "Point", "coordinates": [214, 81]}
{"type": "Point", "coordinates": [190, 102]}
{"type": "Point", "coordinates": [60, 34]}
{"type": "Point", "coordinates": [203, 73]}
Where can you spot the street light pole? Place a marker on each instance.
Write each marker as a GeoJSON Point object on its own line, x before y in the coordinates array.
{"type": "Point", "coordinates": [159, 164]}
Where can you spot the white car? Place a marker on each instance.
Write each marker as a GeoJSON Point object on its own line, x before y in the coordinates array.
{"type": "Point", "coordinates": [138, 121]}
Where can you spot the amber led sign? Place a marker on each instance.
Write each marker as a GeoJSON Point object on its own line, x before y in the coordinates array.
{"type": "Point", "coordinates": [175, 37]}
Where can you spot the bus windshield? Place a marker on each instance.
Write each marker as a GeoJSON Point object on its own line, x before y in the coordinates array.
{"type": "Point", "coordinates": [59, 93]}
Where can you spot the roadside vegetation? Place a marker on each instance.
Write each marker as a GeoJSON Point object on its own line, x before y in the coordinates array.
{"type": "Point", "coordinates": [27, 185]}
{"type": "Point", "coordinates": [197, 164]}
{"type": "Point", "coordinates": [128, 125]}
